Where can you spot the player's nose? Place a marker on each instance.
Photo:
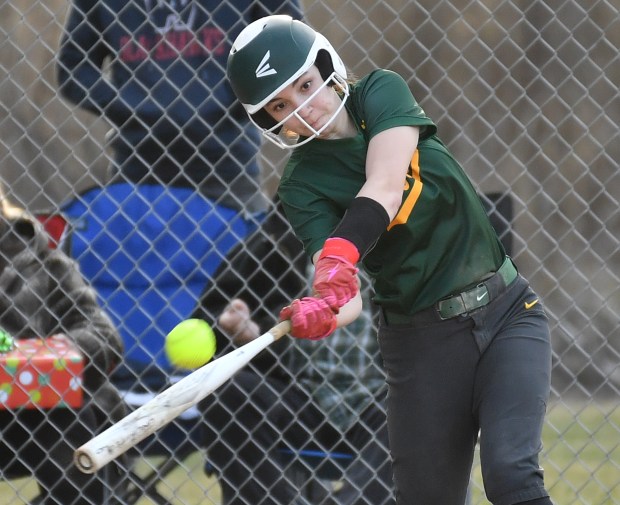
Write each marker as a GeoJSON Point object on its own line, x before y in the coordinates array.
{"type": "Point", "coordinates": [304, 110]}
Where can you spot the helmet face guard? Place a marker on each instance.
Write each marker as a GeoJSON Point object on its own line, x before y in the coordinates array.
{"type": "Point", "coordinates": [287, 139]}
{"type": "Point", "coordinates": [269, 55]}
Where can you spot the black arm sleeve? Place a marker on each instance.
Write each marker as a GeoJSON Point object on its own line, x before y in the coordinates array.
{"type": "Point", "coordinates": [363, 224]}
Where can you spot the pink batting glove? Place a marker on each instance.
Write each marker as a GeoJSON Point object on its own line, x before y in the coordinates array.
{"type": "Point", "coordinates": [311, 318]}
{"type": "Point", "coordinates": [335, 277]}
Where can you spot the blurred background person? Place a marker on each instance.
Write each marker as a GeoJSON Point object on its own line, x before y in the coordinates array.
{"type": "Point", "coordinates": [185, 185]}
{"type": "Point", "coordinates": [304, 395]}
{"type": "Point", "coordinates": [42, 294]}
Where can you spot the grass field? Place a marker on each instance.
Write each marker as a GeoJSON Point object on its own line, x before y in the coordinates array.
{"type": "Point", "coordinates": [581, 457]}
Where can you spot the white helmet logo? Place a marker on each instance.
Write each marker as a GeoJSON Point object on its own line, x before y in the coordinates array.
{"type": "Point", "coordinates": [264, 69]}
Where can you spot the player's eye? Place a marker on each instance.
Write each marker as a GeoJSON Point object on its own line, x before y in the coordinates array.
{"type": "Point", "coordinates": [278, 107]}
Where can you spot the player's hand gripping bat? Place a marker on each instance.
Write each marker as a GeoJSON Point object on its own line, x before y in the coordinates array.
{"type": "Point", "coordinates": [170, 403]}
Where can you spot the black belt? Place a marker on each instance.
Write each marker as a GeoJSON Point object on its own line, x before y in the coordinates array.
{"type": "Point", "coordinates": [464, 302]}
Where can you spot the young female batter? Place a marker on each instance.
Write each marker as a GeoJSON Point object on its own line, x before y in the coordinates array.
{"type": "Point", "coordinates": [464, 338]}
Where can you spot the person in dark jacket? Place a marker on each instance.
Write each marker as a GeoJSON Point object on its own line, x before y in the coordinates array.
{"type": "Point", "coordinates": [175, 117]}
{"type": "Point", "coordinates": [325, 396]}
{"type": "Point", "coordinates": [41, 294]}
{"type": "Point", "coordinates": [184, 186]}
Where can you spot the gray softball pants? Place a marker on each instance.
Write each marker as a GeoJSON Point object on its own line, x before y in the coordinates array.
{"type": "Point", "coordinates": [485, 372]}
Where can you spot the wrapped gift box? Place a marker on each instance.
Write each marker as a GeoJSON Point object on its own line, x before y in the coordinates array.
{"type": "Point", "coordinates": [41, 372]}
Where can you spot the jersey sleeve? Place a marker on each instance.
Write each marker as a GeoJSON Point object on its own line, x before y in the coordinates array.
{"type": "Point", "coordinates": [385, 101]}
{"type": "Point", "coordinates": [310, 215]}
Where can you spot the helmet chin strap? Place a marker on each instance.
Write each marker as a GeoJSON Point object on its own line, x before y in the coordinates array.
{"type": "Point", "coordinates": [288, 139]}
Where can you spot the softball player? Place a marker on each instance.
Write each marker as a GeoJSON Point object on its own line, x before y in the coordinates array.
{"type": "Point", "coordinates": [464, 338]}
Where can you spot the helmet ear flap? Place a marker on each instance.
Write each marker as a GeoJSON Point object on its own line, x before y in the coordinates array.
{"type": "Point", "coordinates": [264, 120]}
{"type": "Point", "coordinates": [324, 63]}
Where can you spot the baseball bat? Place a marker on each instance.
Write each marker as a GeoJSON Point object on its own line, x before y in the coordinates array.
{"type": "Point", "coordinates": [167, 405]}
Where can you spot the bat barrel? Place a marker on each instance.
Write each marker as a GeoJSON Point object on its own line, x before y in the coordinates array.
{"type": "Point", "coordinates": [169, 404]}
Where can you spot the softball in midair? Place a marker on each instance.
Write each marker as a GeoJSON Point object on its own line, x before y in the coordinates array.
{"type": "Point", "coordinates": [190, 344]}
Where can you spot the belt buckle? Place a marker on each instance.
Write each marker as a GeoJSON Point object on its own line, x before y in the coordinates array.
{"type": "Point", "coordinates": [454, 306]}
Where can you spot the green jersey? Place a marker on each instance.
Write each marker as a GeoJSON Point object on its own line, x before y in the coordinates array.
{"type": "Point", "coordinates": [441, 240]}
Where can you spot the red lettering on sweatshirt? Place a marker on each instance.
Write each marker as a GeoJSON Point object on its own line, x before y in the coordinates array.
{"type": "Point", "coordinates": [172, 45]}
{"type": "Point", "coordinates": [131, 51]}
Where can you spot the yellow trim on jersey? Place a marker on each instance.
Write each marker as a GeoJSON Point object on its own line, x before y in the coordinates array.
{"type": "Point", "coordinates": [407, 207]}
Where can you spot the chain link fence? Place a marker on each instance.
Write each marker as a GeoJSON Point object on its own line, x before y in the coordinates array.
{"type": "Point", "coordinates": [525, 94]}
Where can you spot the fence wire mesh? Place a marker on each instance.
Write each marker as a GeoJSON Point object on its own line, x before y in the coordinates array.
{"type": "Point", "coordinates": [525, 94]}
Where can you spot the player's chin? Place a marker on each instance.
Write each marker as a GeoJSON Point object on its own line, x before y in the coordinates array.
{"type": "Point", "coordinates": [310, 129]}
{"type": "Point", "coordinates": [304, 131]}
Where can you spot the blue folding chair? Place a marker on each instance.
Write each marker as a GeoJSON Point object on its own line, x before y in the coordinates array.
{"type": "Point", "coordinates": [149, 252]}
{"type": "Point", "coordinates": [308, 469]}
{"type": "Point", "coordinates": [314, 472]}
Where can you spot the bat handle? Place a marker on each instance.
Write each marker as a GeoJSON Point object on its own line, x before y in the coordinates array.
{"type": "Point", "coordinates": [84, 462]}
{"type": "Point", "coordinates": [280, 329]}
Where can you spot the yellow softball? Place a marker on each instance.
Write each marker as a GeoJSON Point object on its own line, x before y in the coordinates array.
{"type": "Point", "coordinates": [190, 344]}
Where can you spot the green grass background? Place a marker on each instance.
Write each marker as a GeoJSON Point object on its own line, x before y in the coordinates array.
{"type": "Point", "coordinates": [581, 458]}
{"type": "Point", "coordinates": [581, 455]}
